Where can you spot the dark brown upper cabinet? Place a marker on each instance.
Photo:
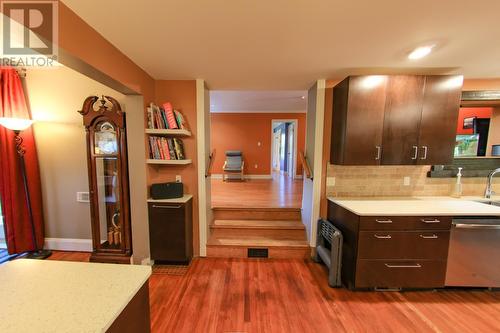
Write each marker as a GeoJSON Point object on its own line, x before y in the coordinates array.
{"type": "Point", "coordinates": [439, 118]}
{"type": "Point", "coordinates": [358, 120]}
{"type": "Point", "coordinates": [403, 110]}
{"type": "Point", "coordinates": [395, 120]}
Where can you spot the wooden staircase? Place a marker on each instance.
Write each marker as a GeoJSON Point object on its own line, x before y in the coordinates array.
{"type": "Point", "coordinates": [236, 232]}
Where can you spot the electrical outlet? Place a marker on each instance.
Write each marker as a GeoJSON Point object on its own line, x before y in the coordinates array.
{"type": "Point", "coordinates": [256, 166]}
{"type": "Point", "coordinates": [406, 181]}
{"type": "Point", "coordinates": [330, 181]}
{"type": "Point", "coordinates": [82, 197]}
{"type": "Point", "coordinates": [178, 179]}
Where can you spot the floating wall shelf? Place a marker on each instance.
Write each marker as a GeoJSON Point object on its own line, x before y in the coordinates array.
{"type": "Point", "coordinates": [156, 131]}
{"type": "Point", "coordinates": [168, 162]}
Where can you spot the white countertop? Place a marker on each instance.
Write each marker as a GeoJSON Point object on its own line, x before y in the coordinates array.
{"type": "Point", "coordinates": [183, 199]}
{"type": "Point", "coordinates": [417, 206]}
{"type": "Point", "coordinates": [61, 296]}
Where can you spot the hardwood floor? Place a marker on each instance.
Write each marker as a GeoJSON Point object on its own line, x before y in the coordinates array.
{"type": "Point", "coordinates": [280, 192]}
{"type": "Point", "coordinates": [243, 295]}
{"type": "Point", "coordinates": [254, 295]}
{"type": "Point", "coordinates": [70, 256]}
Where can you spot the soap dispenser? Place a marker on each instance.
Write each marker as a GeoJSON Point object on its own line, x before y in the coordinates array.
{"type": "Point", "coordinates": [457, 193]}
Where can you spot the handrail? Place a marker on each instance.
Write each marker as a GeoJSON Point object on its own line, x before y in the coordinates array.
{"type": "Point", "coordinates": [210, 163]}
{"type": "Point", "coordinates": [305, 165]}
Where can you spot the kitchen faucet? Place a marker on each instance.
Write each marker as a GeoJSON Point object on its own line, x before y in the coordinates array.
{"type": "Point", "coordinates": [488, 192]}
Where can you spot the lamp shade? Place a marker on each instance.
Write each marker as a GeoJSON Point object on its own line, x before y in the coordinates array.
{"type": "Point", "coordinates": [16, 124]}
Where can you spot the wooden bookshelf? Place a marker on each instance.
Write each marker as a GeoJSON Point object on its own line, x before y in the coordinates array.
{"type": "Point", "coordinates": [169, 162]}
{"type": "Point", "coordinates": [179, 132]}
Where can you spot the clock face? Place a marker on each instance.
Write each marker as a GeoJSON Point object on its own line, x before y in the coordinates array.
{"type": "Point", "coordinates": [105, 139]}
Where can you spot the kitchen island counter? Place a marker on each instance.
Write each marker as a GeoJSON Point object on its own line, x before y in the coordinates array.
{"type": "Point", "coordinates": [57, 296]}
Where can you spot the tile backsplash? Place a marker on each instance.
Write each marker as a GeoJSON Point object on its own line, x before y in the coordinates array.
{"type": "Point", "coordinates": [361, 181]}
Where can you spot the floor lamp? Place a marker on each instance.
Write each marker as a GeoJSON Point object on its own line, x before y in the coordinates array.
{"type": "Point", "coordinates": [17, 125]}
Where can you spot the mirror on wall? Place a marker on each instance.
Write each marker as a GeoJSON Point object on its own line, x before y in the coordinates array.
{"type": "Point", "coordinates": [477, 147]}
{"type": "Point", "coordinates": [478, 127]}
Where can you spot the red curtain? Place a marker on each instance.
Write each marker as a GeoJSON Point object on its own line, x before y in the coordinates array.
{"type": "Point", "coordinates": [14, 208]}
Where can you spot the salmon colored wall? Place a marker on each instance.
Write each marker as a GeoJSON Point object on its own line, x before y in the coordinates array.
{"type": "Point", "coordinates": [471, 112]}
{"type": "Point", "coordinates": [242, 131]}
{"type": "Point", "coordinates": [182, 95]}
{"type": "Point", "coordinates": [79, 39]}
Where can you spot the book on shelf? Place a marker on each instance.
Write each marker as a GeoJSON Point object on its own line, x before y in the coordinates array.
{"type": "Point", "coordinates": [171, 149]}
{"type": "Point", "coordinates": [161, 148]}
{"type": "Point", "coordinates": [179, 148]}
{"type": "Point", "coordinates": [165, 117]}
{"type": "Point", "coordinates": [169, 110]}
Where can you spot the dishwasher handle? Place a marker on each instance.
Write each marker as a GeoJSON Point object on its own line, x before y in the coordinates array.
{"type": "Point", "coordinates": [476, 226]}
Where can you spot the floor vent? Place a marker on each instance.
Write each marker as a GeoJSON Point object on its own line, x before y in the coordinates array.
{"type": "Point", "coordinates": [258, 253]}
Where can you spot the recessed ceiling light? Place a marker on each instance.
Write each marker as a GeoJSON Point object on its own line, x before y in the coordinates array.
{"type": "Point", "coordinates": [420, 52]}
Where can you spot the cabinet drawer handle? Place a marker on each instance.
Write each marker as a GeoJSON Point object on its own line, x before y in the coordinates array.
{"type": "Point", "coordinates": [167, 207]}
{"type": "Point", "coordinates": [383, 221]}
{"type": "Point", "coordinates": [415, 152]}
{"type": "Point", "coordinates": [379, 152]}
{"type": "Point", "coordinates": [429, 237]}
{"type": "Point", "coordinates": [383, 237]}
{"type": "Point", "coordinates": [425, 153]}
{"type": "Point", "coordinates": [430, 221]}
{"type": "Point", "coordinates": [403, 266]}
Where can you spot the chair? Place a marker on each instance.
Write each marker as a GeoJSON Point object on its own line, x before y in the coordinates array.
{"type": "Point", "coordinates": [233, 166]}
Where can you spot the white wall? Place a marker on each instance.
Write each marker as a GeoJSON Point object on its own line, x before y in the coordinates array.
{"type": "Point", "coordinates": [311, 194]}
{"type": "Point", "coordinates": [55, 96]}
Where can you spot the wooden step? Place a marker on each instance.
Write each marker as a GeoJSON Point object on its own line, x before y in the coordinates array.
{"type": "Point", "coordinates": [233, 213]}
{"type": "Point", "coordinates": [238, 247]}
{"type": "Point", "coordinates": [258, 228]}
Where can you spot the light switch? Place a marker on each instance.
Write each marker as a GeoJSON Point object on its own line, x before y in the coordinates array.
{"type": "Point", "coordinates": [330, 181]}
{"type": "Point", "coordinates": [406, 181]}
{"type": "Point", "coordinates": [82, 197]}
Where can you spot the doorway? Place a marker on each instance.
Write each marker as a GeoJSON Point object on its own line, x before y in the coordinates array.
{"type": "Point", "coordinates": [284, 147]}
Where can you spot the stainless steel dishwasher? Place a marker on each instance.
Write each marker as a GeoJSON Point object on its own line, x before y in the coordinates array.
{"type": "Point", "coordinates": [474, 253]}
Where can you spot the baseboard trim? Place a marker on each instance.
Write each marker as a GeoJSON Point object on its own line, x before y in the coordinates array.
{"type": "Point", "coordinates": [68, 244]}
{"type": "Point", "coordinates": [219, 176]}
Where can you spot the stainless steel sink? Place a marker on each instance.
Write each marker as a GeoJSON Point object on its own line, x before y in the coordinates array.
{"type": "Point", "coordinates": [489, 202]}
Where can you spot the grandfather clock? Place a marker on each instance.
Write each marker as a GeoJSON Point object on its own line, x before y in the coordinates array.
{"type": "Point", "coordinates": [105, 125]}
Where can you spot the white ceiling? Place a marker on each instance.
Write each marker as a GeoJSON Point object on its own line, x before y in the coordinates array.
{"type": "Point", "coordinates": [287, 44]}
{"type": "Point", "coordinates": [258, 101]}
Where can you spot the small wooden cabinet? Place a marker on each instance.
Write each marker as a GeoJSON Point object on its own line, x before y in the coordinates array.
{"type": "Point", "coordinates": [392, 251]}
{"type": "Point", "coordinates": [395, 119]}
{"type": "Point", "coordinates": [171, 230]}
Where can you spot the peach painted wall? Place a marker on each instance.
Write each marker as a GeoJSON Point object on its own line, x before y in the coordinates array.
{"type": "Point", "coordinates": [82, 41]}
{"type": "Point", "coordinates": [243, 131]}
{"type": "Point", "coordinates": [182, 95]}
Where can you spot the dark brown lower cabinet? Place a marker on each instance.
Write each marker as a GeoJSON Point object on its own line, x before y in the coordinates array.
{"type": "Point", "coordinates": [392, 251]}
{"type": "Point", "coordinates": [171, 231]}
{"type": "Point", "coordinates": [400, 273]}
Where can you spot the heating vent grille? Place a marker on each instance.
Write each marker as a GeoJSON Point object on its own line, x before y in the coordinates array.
{"type": "Point", "coordinates": [327, 231]}
{"type": "Point", "coordinates": [258, 253]}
